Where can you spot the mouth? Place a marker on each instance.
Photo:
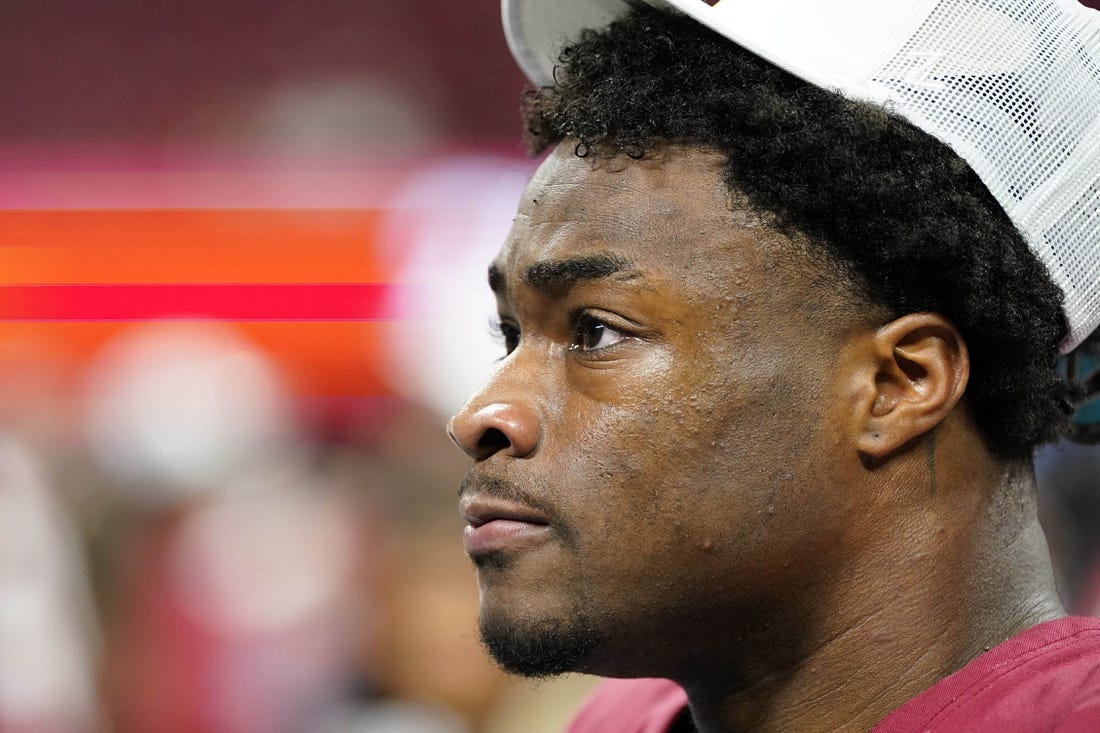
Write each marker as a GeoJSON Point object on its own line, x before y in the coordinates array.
{"type": "Point", "coordinates": [496, 526]}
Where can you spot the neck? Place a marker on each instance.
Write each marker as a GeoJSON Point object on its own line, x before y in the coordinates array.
{"type": "Point", "coordinates": [962, 572]}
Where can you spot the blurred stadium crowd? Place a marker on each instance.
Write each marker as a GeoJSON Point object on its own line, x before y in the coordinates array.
{"type": "Point", "coordinates": [242, 254]}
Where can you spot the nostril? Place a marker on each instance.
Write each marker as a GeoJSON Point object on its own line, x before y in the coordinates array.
{"type": "Point", "coordinates": [491, 441]}
{"type": "Point", "coordinates": [510, 428]}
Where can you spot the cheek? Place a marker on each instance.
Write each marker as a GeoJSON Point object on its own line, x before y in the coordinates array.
{"type": "Point", "coordinates": [661, 428]}
{"type": "Point", "coordinates": [730, 426]}
{"type": "Point", "coordinates": [637, 481]}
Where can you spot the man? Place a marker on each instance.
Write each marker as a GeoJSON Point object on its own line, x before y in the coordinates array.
{"type": "Point", "coordinates": [776, 360]}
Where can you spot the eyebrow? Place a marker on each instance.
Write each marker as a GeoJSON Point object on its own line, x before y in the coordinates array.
{"type": "Point", "coordinates": [557, 275]}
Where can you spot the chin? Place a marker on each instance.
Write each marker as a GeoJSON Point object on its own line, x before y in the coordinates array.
{"type": "Point", "coordinates": [540, 647]}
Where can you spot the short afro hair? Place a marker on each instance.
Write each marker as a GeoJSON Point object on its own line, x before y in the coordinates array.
{"type": "Point", "coordinates": [887, 202]}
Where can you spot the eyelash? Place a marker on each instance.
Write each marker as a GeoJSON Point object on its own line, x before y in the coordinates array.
{"type": "Point", "coordinates": [582, 320]}
{"type": "Point", "coordinates": [507, 334]}
{"type": "Point", "coordinates": [504, 333]}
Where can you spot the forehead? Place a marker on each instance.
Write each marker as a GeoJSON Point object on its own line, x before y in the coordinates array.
{"type": "Point", "coordinates": [669, 211]}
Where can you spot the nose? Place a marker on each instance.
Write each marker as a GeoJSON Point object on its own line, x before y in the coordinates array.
{"type": "Point", "coordinates": [482, 431]}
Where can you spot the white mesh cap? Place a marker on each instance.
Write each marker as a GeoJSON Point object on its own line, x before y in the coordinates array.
{"type": "Point", "coordinates": [1012, 86]}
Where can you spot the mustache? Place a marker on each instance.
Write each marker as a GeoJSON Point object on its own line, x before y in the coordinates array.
{"type": "Point", "coordinates": [497, 488]}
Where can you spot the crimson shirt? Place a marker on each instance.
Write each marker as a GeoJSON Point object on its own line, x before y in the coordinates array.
{"type": "Point", "coordinates": [1046, 678]}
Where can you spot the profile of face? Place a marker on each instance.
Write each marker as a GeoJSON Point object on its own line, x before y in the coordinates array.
{"type": "Point", "coordinates": [653, 454]}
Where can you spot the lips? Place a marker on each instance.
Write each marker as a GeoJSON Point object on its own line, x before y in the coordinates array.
{"type": "Point", "coordinates": [496, 526]}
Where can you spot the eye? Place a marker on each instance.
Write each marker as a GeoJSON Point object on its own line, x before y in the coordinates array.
{"type": "Point", "coordinates": [591, 334]}
{"type": "Point", "coordinates": [506, 333]}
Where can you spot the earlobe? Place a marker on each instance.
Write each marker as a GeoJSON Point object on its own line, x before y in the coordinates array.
{"type": "Point", "coordinates": [920, 368]}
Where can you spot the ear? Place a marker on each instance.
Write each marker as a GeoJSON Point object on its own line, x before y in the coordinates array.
{"type": "Point", "coordinates": [920, 367]}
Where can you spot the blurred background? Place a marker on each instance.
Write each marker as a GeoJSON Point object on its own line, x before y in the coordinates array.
{"type": "Point", "coordinates": [242, 256]}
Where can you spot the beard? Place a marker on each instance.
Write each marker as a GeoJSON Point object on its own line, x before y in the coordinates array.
{"type": "Point", "coordinates": [541, 648]}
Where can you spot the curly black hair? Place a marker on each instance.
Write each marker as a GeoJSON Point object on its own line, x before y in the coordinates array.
{"type": "Point", "coordinates": [885, 200]}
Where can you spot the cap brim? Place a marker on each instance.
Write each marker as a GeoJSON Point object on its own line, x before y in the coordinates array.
{"type": "Point", "coordinates": [537, 31]}
{"type": "Point", "coordinates": [788, 33]}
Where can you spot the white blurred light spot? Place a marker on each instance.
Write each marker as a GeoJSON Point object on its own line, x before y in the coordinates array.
{"type": "Point", "coordinates": [46, 651]}
{"type": "Point", "coordinates": [331, 116]}
{"type": "Point", "coordinates": [177, 407]}
{"type": "Point", "coordinates": [265, 557]}
{"type": "Point", "coordinates": [448, 222]}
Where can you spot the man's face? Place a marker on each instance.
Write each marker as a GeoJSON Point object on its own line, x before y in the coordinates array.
{"type": "Point", "coordinates": [652, 454]}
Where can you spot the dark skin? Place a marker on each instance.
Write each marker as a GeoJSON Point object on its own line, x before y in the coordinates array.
{"type": "Point", "coordinates": [752, 481]}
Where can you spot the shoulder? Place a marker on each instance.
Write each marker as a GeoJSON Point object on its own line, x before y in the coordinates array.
{"type": "Point", "coordinates": [630, 706]}
{"type": "Point", "coordinates": [1045, 678]}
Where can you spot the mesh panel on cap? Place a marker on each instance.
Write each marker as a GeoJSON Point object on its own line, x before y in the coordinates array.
{"type": "Point", "coordinates": [1014, 87]}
